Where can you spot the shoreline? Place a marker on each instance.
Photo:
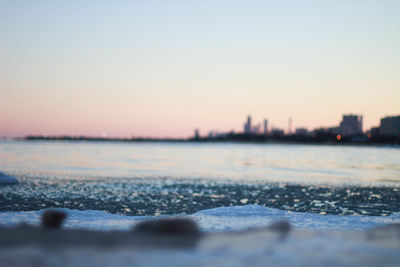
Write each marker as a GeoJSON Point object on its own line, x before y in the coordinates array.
{"type": "Point", "coordinates": [250, 140]}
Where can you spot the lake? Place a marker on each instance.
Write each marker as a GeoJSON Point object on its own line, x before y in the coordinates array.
{"type": "Point", "coordinates": [183, 178]}
{"type": "Point", "coordinates": [303, 164]}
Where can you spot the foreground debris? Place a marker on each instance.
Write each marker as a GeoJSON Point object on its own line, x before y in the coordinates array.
{"type": "Point", "coordinates": [178, 242]}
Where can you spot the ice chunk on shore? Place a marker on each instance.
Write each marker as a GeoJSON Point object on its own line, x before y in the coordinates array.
{"type": "Point", "coordinates": [6, 179]}
{"type": "Point", "coordinates": [250, 216]}
{"type": "Point", "coordinates": [87, 219]}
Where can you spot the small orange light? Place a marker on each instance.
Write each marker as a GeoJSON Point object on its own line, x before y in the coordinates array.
{"type": "Point", "coordinates": [338, 137]}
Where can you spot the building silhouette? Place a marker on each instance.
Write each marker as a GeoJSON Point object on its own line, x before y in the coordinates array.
{"type": "Point", "coordinates": [247, 126]}
{"type": "Point", "coordinates": [196, 134]}
{"type": "Point", "coordinates": [301, 131]}
{"type": "Point", "coordinates": [256, 129]}
{"type": "Point", "coordinates": [265, 126]}
{"type": "Point", "coordinates": [351, 125]}
{"type": "Point", "coordinates": [390, 126]}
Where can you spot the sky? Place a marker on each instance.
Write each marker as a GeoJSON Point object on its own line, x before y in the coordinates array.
{"type": "Point", "coordinates": [164, 68]}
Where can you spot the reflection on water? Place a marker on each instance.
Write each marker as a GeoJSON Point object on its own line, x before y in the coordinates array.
{"type": "Point", "coordinates": [269, 162]}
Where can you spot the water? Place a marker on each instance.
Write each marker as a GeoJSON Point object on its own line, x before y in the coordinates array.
{"type": "Point", "coordinates": [304, 164]}
{"type": "Point", "coordinates": [184, 178]}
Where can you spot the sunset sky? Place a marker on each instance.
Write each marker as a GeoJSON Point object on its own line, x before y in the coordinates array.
{"type": "Point", "coordinates": [163, 68]}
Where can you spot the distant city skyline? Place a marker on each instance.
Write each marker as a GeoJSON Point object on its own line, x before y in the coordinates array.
{"type": "Point", "coordinates": [350, 125]}
{"type": "Point", "coordinates": [164, 68]}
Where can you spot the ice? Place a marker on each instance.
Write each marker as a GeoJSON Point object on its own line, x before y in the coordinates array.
{"type": "Point", "coordinates": [217, 219]}
{"type": "Point", "coordinates": [251, 216]}
{"type": "Point", "coordinates": [6, 179]}
{"type": "Point", "coordinates": [88, 219]}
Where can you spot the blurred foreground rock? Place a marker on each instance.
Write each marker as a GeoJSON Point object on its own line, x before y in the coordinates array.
{"type": "Point", "coordinates": [179, 242]}
{"type": "Point", "coordinates": [168, 226]}
{"type": "Point", "coordinates": [37, 246]}
{"type": "Point", "coordinates": [53, 219]}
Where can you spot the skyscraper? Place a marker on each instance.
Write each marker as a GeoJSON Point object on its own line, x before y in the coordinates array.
{"type": "Point", "coordinates": [196, 134]}
{"type": "Point", "coordinates": [247, 126]}
{"type": "Point", "coordinates": [265, 126]}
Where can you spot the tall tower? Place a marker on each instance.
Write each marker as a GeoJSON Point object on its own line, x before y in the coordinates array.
{"type": "Point", "coordinates": [247, 125]}
{"type": "Point", "coordinates": [265, 126]}
{"type": "Point", "coordinates": [290, 126]}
